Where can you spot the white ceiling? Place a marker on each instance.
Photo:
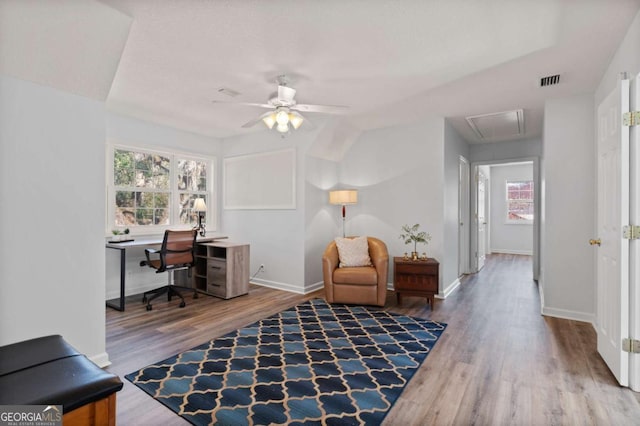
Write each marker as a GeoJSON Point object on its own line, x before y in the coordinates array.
{"type": "Point", "coordinates": [391, 62]}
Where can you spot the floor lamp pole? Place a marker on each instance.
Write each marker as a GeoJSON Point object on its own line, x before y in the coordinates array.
{"type": "Point", "coordinates": [344, 214]}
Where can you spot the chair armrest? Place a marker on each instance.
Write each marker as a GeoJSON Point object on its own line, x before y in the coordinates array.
{"type": "Point", "coordinates": [147, 252]}
{"type": "Point", "coordinates": [330, 262]}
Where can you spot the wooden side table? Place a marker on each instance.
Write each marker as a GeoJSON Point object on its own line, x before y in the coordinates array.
{"type": "Point", "coordinates": [415, 278]}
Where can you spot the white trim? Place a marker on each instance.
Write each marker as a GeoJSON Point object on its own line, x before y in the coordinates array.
{"type": "Point", "coordinates": [101, 360]}
{"type": "Point", "coordinates": [570, 315]}
{"type": "Point", "coordinates": [509, 251]}
{"type": "Point", "coordinates": [279, 286]}
{"type": "Point", "coordinates": [450, 289]}
{"type": "Point", "coordinates": [310, 288]}
{"type": "Point", "coordinates": [132, 290]}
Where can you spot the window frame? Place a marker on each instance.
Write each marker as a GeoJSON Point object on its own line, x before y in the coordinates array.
{"type": "Point", "coordinates": [174, 219]}
{"type": "Point", "coordinates": [531, 201]}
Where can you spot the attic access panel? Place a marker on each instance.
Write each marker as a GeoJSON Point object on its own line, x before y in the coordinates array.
{"type": "Point", "coordinates": [499, 125]}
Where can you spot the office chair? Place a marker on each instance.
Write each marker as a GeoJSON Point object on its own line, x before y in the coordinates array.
{"type": "Point", "coordinates": [177, 252]}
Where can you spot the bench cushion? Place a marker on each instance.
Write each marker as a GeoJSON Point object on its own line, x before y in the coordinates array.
{"type": "Point", "coordinates": [49, 371]}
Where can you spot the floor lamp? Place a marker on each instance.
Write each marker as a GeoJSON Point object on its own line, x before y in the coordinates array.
{"type": "Point", "coordinates": [343, 197]}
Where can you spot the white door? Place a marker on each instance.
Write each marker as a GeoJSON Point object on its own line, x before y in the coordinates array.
{"type": "Point", "coordinates": [463, 216]}
{"type": "Point", "coordinates": [481, 217]}
{"type": "Point", "coordinates": [634, 246]}
{"type": "Point", "coordinates": [613, 213]}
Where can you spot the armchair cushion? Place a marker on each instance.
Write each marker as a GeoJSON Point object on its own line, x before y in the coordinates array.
{"type": "Point", "coordinates": [353, 252]}
{"type": "Point", "coordinates": [365, 275]}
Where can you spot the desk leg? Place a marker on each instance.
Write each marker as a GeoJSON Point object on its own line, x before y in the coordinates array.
{"type": "Point", "coordinates": [120, 307]}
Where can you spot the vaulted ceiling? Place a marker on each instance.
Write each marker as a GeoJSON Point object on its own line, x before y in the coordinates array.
{"type": "Point", "coordinates": [391, 62]}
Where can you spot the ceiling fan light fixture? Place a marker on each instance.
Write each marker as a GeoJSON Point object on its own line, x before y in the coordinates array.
{"type": "Point", "coordinates": [282, 128]}
{"type": "Point", "coordinates": [296, 119]}
{"type": "Point", "coordinates": [269, 120]}
{"type": "Point", "coordinates": [282, 117]}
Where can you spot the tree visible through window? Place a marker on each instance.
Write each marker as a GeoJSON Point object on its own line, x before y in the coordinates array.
{"type": "Point", "coordinates": [157, 189]}
{"type": "Point", "coordinates": [520, 201]}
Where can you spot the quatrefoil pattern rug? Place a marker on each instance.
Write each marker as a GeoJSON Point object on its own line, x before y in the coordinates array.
{"type": "Point", "coordinates": [314, 363]}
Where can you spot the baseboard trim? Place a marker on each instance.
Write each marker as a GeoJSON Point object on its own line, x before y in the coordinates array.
{"type": "Point", "coordinates": [134, 290]}
{"type": "Point", "coordinates": [507, 251]}
{"type": "Point", "coordinates": [313, 287]}
{"type": "Point", "coordinates": [450, 289]}
{"type": "Point", "coordinates": [101, 360]}
{"type": "Point", "coordinates": [570, 315]}
{"type": "Point", "coordinates": [280, 286]}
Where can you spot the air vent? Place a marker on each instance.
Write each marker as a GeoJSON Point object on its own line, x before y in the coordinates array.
{"type": "Point", "coordinates": [550, 80]}
{"type": "Point", "coordinates": [229, 92]}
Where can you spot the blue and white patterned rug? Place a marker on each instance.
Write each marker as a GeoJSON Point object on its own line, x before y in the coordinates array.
{"type": "Point", "coordinates": [314, 363]}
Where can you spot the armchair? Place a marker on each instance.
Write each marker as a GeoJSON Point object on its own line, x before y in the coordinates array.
{"type": "Point", "coordinates": [366, 285]}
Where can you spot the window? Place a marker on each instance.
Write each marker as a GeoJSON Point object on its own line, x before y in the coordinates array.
{"type": "Point", "coordinates": [153, 191]}
{"type": "Point", "coordinates": [520, 201]}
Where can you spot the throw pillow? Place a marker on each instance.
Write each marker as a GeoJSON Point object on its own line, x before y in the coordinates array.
{"type": "Point", "coordinates": [353, 252]}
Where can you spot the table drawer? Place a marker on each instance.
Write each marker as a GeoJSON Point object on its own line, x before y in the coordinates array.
{"type": "Point", "coordinates": [416, 282]}
{"type": "Point", "coordinates": [416, 268]}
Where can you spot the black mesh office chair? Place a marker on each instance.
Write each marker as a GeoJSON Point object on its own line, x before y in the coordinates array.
{"type": "Point", "coordinates": [177, 252]}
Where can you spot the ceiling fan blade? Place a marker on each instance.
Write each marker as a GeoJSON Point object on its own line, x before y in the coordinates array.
{"type": "Point", "coordinates": [256, 120]}
{"type": "Point", "coordinates": [243, 103]}
{"type": "Point", "coordinates": [286, 94]}
{"type": "Point", "coordinates": [328, 109]}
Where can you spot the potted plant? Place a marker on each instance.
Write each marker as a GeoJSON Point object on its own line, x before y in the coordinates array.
{"type": "Point", "coordinates": [411, 234]}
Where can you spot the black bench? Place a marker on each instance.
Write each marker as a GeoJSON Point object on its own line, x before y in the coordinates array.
{"type": "Point", "coordinates": [49, 371]}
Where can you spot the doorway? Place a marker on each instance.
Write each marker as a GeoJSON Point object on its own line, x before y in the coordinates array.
{"type": "Point", "coordinates": [505, 207]}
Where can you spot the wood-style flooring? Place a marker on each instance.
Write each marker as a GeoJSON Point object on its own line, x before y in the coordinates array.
{"type": "Point", "coordinates": [498, 362]}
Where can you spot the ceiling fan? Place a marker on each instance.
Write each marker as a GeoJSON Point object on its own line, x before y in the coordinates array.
{"type": "Point", "coordinates": [285, 111]}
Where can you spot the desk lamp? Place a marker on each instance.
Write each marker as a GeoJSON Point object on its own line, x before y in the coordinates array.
{"type": "Point", "coordinates": [343, 197]}
{"type": "Point", "coordinates": [200, 207]}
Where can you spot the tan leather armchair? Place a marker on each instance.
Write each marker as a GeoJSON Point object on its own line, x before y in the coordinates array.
{"type": "Point", "coordinates": [362, 285]}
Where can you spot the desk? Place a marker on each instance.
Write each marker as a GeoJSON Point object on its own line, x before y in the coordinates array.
{"type": "Point", "coordinates": [139, 242]}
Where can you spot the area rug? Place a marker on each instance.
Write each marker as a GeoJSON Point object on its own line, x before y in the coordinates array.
{"type": "Point", "coordinates": [314, 363]}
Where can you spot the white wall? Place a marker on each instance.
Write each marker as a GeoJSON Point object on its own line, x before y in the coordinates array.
{"type": "Point", "coordinates": [567, 276]}
{"type": "Point", "coordinates": [320, 217]}
{"type": "Point", "coordinates": [515, 238]}
{"type": "Point", "coordinates": [454, 147]}
{"type": "Point", "coordinates": [52, 217]}
{"type": "Point", "coordinates": [626, 59]}
{"type": "Point", "coordinates": [129, 131]}
{"type": "Point", "coordinates": [277, 237]}
{"type": "Point", "coordinates": [399, 173]}
{"type": "Point", "coordinates": [512, 150]}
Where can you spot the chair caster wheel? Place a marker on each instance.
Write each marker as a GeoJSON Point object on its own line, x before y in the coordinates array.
{"type": "Point", "coordinates": [149, 307]}
{"type": "Point", "coordinates": [182, 304]}
{"type": "Point", "coordinates": [195, 295]}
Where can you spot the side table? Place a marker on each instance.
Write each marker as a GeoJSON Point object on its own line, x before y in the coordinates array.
{"type": "Point", "coordinates": [415, 278]}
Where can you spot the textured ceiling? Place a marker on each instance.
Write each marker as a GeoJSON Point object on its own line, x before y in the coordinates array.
{"type": "Point", "coordinates": [391, 62]}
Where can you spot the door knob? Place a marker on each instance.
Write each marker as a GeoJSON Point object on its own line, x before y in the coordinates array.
{"type": "Point", "coordinates": [595, 242]}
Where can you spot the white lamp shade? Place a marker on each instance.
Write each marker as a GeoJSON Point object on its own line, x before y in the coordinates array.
{"type": "Point", "coordinates": [270, 120]}
{"type": "Point", "coordinates": [199, 205]}
{"type": "Point", "coordinates": [343, 196]}
{"type": "Point", "coordinates": [282, 117]}
{"type": "Point", "coordinates": [295, 119]}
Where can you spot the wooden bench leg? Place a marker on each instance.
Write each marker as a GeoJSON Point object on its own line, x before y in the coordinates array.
{"type": "Point", "coordinates": [97, 413]}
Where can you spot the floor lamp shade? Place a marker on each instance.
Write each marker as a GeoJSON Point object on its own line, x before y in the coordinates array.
{"type": "Point", "coordinates": [343, 197]}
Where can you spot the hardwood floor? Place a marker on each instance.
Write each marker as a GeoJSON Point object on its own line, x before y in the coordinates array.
{"type": "Point", "coordinates": [498, 362]}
